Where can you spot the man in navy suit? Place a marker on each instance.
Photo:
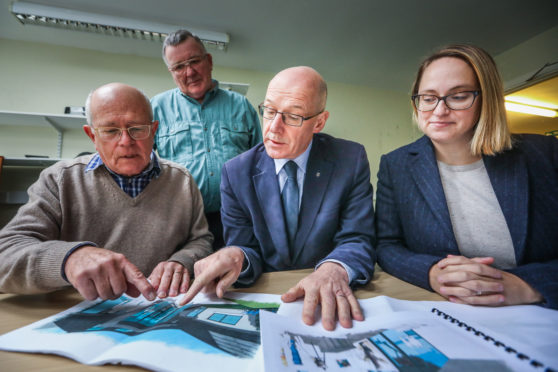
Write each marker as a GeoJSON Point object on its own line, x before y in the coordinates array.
{"type": "Point", "coordinates": [301, 199]}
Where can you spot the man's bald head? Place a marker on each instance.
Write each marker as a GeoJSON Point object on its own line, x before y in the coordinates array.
{"type": "Point", "coordinates": [306, 78]}
{"type": "Point", "coordinates": [299, 93]}
{"type": "Point", "coordinates": [120, 124]}
{"type": "Point", "coordinates": [116, 94]}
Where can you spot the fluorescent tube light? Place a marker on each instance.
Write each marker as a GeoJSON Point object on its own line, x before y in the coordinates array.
{"type": "Point", "coordinates": [531, 102]}
{"type": "Point", "coordinates": [43, 15]}
{"type": "Point", "coordinates": [525, 109]}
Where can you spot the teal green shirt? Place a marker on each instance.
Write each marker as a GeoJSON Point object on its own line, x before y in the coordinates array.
{"type": "Point", "coordinates": [202, 137]}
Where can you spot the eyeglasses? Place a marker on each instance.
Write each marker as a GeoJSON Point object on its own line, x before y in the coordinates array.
{"type": "Point", "coordinates": [137, 132]}
{"type": "Point", "coordinates": [293, 120]}
{"type": "Point", "coordinates": [192, 62]}
{"type": "Point", "coordinates": [454, 101]}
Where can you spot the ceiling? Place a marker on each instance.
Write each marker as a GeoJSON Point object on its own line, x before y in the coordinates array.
{"type": "Point", "coordinates": [376, 43]}
{"type": "Point", "coordinates": [370, 42]}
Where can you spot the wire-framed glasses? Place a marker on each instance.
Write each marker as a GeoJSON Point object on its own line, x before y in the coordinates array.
{"type": "Point", "coordinates": [455, 101]}
{"type": "Point", "coordinates": [136, 132]}
{"type": "Point", "coordinates": [192, 62]}
{"type": "Point", "coordinates": [293, 120]}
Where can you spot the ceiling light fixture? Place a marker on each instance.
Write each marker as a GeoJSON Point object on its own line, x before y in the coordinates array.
{"type": "Point", "coordinates": [531, 102]}
{"type": "Point", "coordinates": [532, 110]}
{"type": "Point", "coordinates": [43, 15]}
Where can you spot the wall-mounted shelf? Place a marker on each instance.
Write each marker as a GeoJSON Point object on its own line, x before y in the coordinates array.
{"type": "Point", "coordinates": [30, 162]}
{"type": "Point", "coordinates": [26, 170]}
{"type": "Point", "coordinates": [13, 197]}
{"type": "Point", "coordinates": [235, 87]}
{"type": "Point", "coordinates": [60, 123]}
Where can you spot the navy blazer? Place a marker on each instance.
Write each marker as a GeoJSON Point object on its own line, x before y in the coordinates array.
{"type": "Point", "coordinates": [336, 218]}
{"type": "Point", "coordinates": [413, 223]}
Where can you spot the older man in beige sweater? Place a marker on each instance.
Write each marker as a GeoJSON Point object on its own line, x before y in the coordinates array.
{"type": "Point", "coordinates": [103, 222]}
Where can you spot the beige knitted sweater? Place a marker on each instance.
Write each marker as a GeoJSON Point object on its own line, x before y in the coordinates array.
{"type": "Point", "coordinates": [68, 206]}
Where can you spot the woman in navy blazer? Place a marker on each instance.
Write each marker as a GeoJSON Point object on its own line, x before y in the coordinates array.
{"type": "Point", "coordinates": [469, 210]}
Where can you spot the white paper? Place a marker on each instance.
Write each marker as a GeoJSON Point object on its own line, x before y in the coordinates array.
{"type": "Point", "coordinates": [411, 323]}
{"type": "Point", "coordinates": [208, 333]}
{"type": "Point", "coordinates": [529, 328]}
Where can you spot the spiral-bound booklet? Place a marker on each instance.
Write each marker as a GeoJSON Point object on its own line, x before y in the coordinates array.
{"type": "Point", "coordinates": [415, 336]}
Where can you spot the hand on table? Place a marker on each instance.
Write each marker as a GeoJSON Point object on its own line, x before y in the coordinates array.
{"type": "Point", "coordinates": [473, 281]}
{"type": "Point", "coordinates": [169, 278]}
{"type": "Point", "coordinates": [215, 273]}
{"type": "Point", "coordinates": [97, 272]}
{"type": "Point", "coordinates": [328, 286]}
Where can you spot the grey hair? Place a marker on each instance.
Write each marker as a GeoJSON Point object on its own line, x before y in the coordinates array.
{"type": "Point", "coordinates": [177, 37]}
{"type": "Point", "coordinates": [322, 93]}
{"type": "Point", "coordinates": [88, 106]}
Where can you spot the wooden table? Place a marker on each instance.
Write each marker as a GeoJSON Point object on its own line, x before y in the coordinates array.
{"type": "Point", "coordinates": [17, 311]}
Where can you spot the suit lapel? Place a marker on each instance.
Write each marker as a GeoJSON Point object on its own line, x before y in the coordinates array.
{"type": "Point", "coordinates": [510, 181]}
{"type": "Point", "coordinates": [269, 198]}
{"type": "Point", "coordinates": [316, 180]}
{"type": "Point", "coordinates": [426, 175]}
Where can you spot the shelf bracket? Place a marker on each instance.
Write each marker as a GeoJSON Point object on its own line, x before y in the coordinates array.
{"type": "Point", "coordinates": [60, 133]}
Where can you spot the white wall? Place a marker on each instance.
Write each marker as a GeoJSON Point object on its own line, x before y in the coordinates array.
{"type": "Point", "coordinates": [46, 78]}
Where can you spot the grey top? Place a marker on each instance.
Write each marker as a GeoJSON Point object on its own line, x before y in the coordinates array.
{"type": "Point", "coordinates": [478, 222]}
{"type": "Point", "coordinates": [68, 206]}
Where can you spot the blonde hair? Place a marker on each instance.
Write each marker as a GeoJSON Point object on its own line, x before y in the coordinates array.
{"type": "Point", "coordinates": [492, 135]}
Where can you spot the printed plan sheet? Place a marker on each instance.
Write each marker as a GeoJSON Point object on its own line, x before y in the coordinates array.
{"type": "Point", "coordinates": [207, 333]}
{"type": "Point", "coordinates": [410, 336]}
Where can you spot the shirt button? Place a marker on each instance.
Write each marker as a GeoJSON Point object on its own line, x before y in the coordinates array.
{"type": "Point", "coordinates": [205, 128]}
{"type": "Point", "coordinates": [211, 173]}
{"type": "Point", "coordinates": [208, 150]}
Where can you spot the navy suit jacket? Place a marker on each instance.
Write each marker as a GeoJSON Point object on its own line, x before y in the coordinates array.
{"type": "Point", "coordinates": [336, 219]}
{"type": "Point", "coordinates": [413, 224]}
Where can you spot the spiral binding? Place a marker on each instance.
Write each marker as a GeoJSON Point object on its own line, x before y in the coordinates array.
{"type": "Point", "coordinates": [488, 338]}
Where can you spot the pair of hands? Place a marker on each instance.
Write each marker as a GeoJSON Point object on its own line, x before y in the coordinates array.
{"type": "Point", "coordinates": [473, 281]}
{"type": "Point", "coordinates": [328, 286]}
{"type": "Point", "coordinates": [100, 273]}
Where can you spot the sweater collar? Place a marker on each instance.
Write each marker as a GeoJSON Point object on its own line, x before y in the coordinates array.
{"type": "Point", "coordinates": [153, 166]}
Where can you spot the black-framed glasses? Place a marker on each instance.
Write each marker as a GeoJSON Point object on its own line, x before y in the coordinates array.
{"type": "Point", "coordinates": [136, 132]}
{"type": "Point", "coordinates": [192, 62]}
{"type": "Point", "coordinates": [293, 120]}
{"type": "Point", "coordinates": [455, 101]}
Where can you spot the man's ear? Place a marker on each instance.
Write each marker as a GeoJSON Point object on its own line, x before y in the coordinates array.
{"type": "Point", "coordinates": [320, 123]}
{"type": "Point", "coordinates": [89, 131]}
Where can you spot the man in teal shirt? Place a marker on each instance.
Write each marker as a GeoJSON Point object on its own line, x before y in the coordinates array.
{"type": "Point", "coordinates": [200, 125]}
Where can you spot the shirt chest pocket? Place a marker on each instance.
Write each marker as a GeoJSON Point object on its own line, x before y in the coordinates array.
{"type": "Point", "coordinates": [235, 138]}
{"type": "Point", "coordinates": [175, 143]}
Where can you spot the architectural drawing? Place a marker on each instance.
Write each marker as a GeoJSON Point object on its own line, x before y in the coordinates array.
{"type": "Point", "coordinates": [231, 328]}
{"type": "Point", "coordinates": [379, 350]}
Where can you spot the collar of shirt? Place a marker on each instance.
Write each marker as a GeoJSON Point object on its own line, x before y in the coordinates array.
{"type": "Point", "coordinates": [208, 95]}
{"type": "Point", "coordinates": [132, 186]}
{"type": "Point", "coordinates": [301, 161]}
